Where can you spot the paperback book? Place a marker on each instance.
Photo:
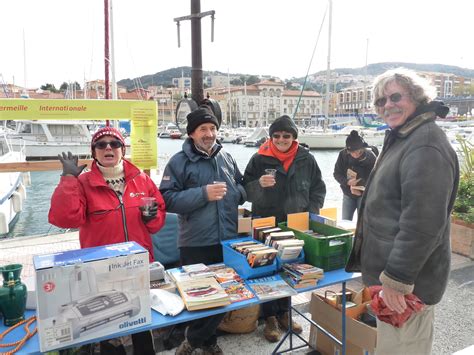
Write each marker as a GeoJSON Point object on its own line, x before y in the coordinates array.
{"type": "Point", "coordinates": [237, 291]}
{"type": "Point", "coordinates": [271, 287]}
{"type": "Point", "coordinates": [202, 293]}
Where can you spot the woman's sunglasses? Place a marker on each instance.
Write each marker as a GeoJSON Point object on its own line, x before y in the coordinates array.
{"type": "Point", "coordinates": [395, 97]}
{"type": "Point", "coordinates": [285, 136]}
{"type": "Point", "coordinates": [113, 144]}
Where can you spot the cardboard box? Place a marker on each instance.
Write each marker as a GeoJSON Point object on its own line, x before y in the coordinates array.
{"type": "Point", "coordinates": [244, 221]}
{"type": "Point", "coordinates": [89, 293]}
{"type": "Point", "coordinates": [360, 338]}
{"type": "Point", "coordinates": [360, 298]}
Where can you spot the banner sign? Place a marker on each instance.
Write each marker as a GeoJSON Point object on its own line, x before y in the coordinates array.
{"type": "Point", "coordinates": [142, 114]}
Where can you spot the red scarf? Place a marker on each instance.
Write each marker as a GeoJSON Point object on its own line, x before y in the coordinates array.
{"type": "Point", "coordinates": [270, 150]}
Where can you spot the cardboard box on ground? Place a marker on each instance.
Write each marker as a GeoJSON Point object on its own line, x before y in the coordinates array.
{"type": "Point", "coordinates": [360, 338]}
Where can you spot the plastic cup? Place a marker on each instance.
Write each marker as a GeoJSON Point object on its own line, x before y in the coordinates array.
{"type": "Point", "coordinates": [271, 172]}
{"type": "Point", "coordinates": [146, 203]}
{"type": "Point", "coordinates": [219, 183]}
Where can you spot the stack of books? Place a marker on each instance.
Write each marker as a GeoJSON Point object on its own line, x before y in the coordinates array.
{"type": "Point", "coordinates": [261, 233]}
{"type": "Point", "coordinates": [202, 293]}
{"type": "Point", "coordinates": [257, 254]}
{"type": "Point", "coordinates": [285, 243]}
{"type": "Point", "coordinates": [302, 275]}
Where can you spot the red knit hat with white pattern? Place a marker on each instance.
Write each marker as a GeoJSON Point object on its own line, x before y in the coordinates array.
{"type": "Point", "coordinates": [107, 131]}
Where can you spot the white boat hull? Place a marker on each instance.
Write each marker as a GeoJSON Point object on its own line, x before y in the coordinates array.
{"type": "Point", "coordinates": [325, 140]}
{"type": "Point", "coordinates": [12, 193]}
{"type": "Point", "coordinates": [50, 150]}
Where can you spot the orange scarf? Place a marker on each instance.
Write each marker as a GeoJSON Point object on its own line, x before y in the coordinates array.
{"type": "Point", "coordinates": [270, 150]}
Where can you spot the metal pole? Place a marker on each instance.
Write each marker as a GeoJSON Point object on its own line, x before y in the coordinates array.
{"type": "Point", "coordinates": [112, 52]}
{"type": "Point", "coordinates": [197, 91]}
{"type": "Point", "coordinates": [328, 74]}
{"type": "Point", "coordinates": [106, 52]}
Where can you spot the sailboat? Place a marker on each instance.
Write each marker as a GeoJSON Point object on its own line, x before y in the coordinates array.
{"type": "Point", "coordinates": [323, 139]}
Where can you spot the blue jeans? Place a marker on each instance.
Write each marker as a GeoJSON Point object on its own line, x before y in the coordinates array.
{"type": "Point", "coordinates": [349, 205]}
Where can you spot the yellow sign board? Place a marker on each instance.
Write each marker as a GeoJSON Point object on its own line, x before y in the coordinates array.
{"type": "Point", "coordinates": [142, 114]}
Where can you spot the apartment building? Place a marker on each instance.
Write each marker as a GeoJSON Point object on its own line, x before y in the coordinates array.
{"type": "Point", "coordinates": [353, 99]}
{"type": "Point", "coordinates": [260, 104]}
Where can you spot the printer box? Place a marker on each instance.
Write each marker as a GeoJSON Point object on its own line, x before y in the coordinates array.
{"type": "Point", "coordinates": [91, 293]}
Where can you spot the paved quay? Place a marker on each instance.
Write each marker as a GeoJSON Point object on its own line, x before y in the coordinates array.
{"type": "Point", "coordinates": [454, 324]}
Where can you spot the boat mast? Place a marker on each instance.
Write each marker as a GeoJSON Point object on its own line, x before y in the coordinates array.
{"type": "Point", "coordinates": [364, 103]}
{"type": "Point", "coordinates": [229, 98]}
{"type": "Point", "coordinates": [328, 73]}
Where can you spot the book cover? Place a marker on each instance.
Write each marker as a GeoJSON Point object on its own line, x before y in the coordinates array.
{"type": "Point", "coordinates": [237, 291]}
{"type": "Point", "coordinates": [289, 253]}
{"type": "Point", "coordinates": [202, 293]}
{"type": "Point", "coordinates": [271, 287]}
{"type": "Point", "coordinates": [227, 274]}
{"type": "Point", "coordinates": [263, 257]}
{"type": "Point", "coordinates": [195, 267]}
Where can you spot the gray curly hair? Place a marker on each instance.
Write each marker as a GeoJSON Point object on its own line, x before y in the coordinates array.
{"type": "Point", "coordinates": [419, 89]}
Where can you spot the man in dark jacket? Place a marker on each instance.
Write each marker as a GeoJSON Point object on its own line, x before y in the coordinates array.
{"type": "Point", "coordinates": [203, 185]}
{"type": "Point", "coordinates": [294, 185]}
{"type": "Point", "coordinates": [402, 237]}
{"type": "Point", "coordinates": [352, 169]}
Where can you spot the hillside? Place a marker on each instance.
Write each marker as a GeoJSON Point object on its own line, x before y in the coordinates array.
{"type": "Point", "coordinates": [165, 77]}
{"type": "Point", "coordinates": [379, 68]}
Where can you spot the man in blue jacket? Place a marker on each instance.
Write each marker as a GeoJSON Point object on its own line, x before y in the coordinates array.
{"type": "Point", "coordinates": [203, 185]}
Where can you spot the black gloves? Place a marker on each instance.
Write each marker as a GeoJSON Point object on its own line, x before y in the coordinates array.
{"type": "Point", "coordinates": [149, 213]}
{"type": "Point", "coordinates": [69, 162]}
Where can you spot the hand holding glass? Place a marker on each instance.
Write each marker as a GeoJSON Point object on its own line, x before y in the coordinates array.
{"type": "Point", "coordinates": [146, 203]}
{"type": "Point", "coordinates": [268, 180]}
{"type": "Point", "coordinates": [216, 191]}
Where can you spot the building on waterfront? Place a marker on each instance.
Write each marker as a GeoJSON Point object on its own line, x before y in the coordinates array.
{"type": "Point", "coordinates": [448, 85]}
{"type": "Point", "coordinates": [353, 100]}
{"type": "Point", "coordinates": [258, 105]}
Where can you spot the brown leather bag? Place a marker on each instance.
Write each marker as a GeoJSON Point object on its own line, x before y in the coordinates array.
{"type": "Point", "coordinates": [241, 321]}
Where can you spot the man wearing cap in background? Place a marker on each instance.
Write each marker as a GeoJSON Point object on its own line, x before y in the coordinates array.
{"type": "Point", "coordinates": [295, 185]}
{"type": "Point", "coordinates": [352, 169]}
{"type": "Point", "coordinates": [202, 184]}
{"type": "Point", "coordinates": [104, 203]}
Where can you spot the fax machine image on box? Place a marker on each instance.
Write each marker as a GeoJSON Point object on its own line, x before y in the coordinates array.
{"type": "Point", "coordinates": [89, 293]}
{"type": "Point", "coordinates": [90, 308]}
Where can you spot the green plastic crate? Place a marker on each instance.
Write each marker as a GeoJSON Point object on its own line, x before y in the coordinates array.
{"type": "Point", "coordinates": [329, 253]}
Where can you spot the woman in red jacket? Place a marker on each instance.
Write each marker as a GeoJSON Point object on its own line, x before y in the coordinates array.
{"type": "Point", "coordinates": [104, 203]}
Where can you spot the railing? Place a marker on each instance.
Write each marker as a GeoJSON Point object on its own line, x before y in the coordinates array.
{"type": "Point", "coordinates": [44, 165]}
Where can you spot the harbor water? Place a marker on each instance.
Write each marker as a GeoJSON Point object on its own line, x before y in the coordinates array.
{"type": "Point", "coordinates": [33, 220]}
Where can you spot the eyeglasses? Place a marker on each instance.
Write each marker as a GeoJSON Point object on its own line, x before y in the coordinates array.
{"type": "Point", "coordinates": [285, 136]}
{"type": "Point", "coordinates": [395, 97]}
{"type": "Point", "coordinates": [113, 144]}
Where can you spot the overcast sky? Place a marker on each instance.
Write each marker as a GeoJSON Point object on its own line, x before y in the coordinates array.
{"type": "Point", "coordinates": [65, 38]}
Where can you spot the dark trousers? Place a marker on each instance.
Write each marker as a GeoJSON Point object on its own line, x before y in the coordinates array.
{"type": "Point", "coordinates": [275, 308]}
{"type": "Point", "coordinates": [202, 331]}
{"type": "Point", "coordinates": [142, 345]}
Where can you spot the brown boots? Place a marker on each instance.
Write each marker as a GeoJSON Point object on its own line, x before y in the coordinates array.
{"type": "Point", "coordinates": [283, 321]}
{"type": "Point", "coordinates": [272, 331]}
{"type": "Point", "coordinates": [274, 326]}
